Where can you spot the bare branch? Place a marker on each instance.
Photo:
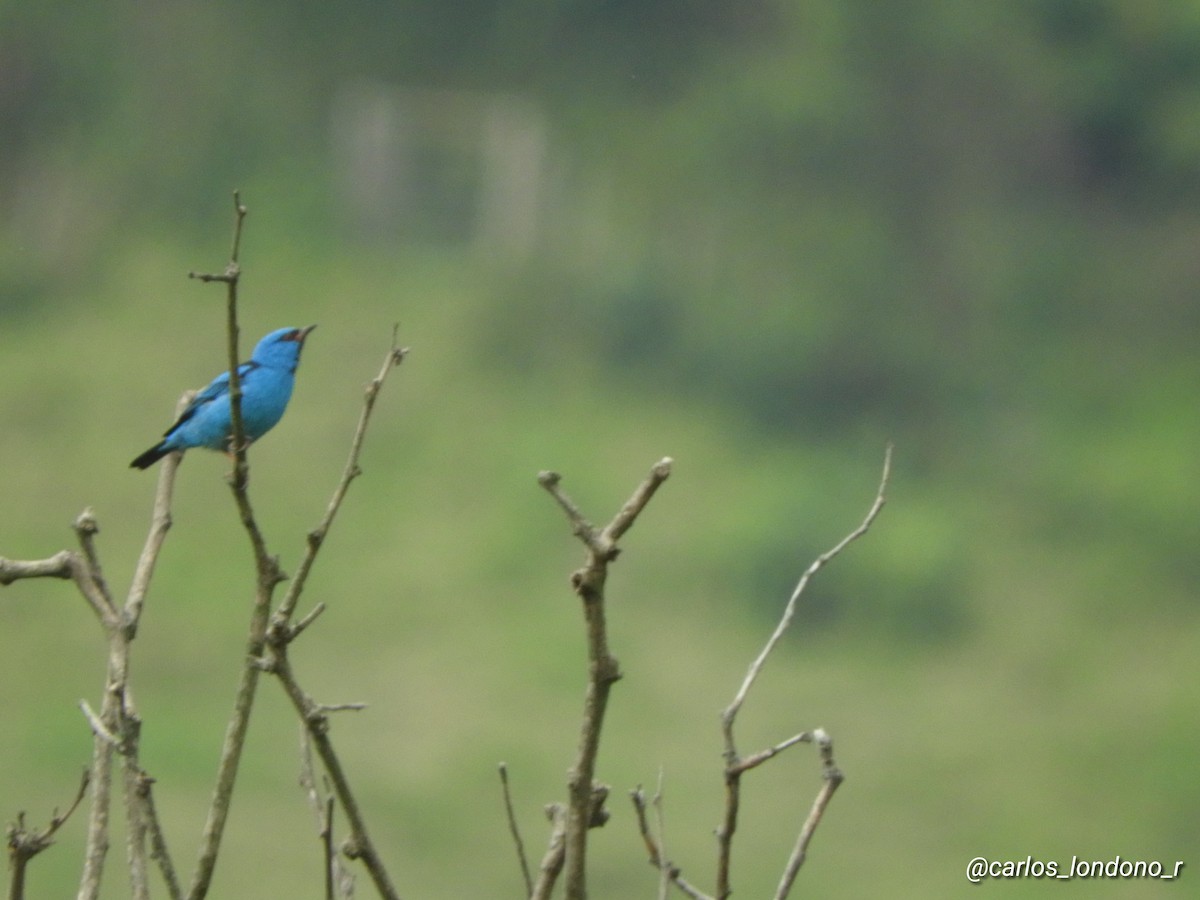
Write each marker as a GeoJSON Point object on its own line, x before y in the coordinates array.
{"type": "Point", "coordinates": [338, 880]}
{"type": "Point", "coordinates": [789, 611]}
{"type": "Point", "coordinates": [231, 750]}
{"type": "Point", "coordinates": [633, 507]}
{"type": "Point", "coordinates": [580, 526]}
{"type": "Point", "coordinates": [515, 831]}
{"type": "Point", "coordinates": [63, 564]}
{"type": "Point", "coordinates": [86, 528]}
{"type": "Point", "coordinates": [326, 832]}
{"type": "Point", "coordinates": [136, 830]}
{"type": "Point", "coordinates": [57, 566]}
{"type": "Point", "coordinates": [99, 729]}
{"type": "Point", "coordinates": [268, 576]}
{"type": "Point", "coordinates": [341, 707]}
{"type": "Point", "coordinates": [735, 766]}
{"type": "Point", "coordinates": [278, 634]}
{"type": "Point", "coordinates": [586, 797]}
{"type": "Point", "coordinates": [316, 537]}
{"type": "Point", "coordinates": [160, 524]}
{"type": "Point", "coordinates": [230, 278]}
{"type": "Point", "coordinates": [24, 845]}
{"type": "Point", "coordinates": [316, 723]}
{"type": "Point", "coordinates": [96, 847]}
{"type": "Point", "coordinates": [555, 855]}
{"type": "Point", "coordinates": [666, 868]}
{"type": "Point", "coordinates": [158, 844]}
{"type": "Point", "coordinates": [833, 777]}
{"type": "Point", "coordinates": [298, 629]}
{"type": "Point", "coordinates": [115, 728]}
{"type": "Point", "coordinates": [749, 762]}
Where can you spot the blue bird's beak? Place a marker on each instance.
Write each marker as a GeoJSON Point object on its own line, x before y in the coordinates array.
{"type": "Point", "coordinates": [299, 334]}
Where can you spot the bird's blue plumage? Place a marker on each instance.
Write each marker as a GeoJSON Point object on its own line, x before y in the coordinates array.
{"type": "Point", "coordinates": [266, 382]}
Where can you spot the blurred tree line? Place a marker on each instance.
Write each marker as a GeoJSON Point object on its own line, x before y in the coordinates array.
{"type": "Point", "coordinates": [966, 227]}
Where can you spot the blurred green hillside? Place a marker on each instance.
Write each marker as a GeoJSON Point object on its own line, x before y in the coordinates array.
{"type": "Point", "coordinates": [763, 238]}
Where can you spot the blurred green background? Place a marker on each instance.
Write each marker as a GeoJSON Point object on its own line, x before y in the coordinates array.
{"type": "Point", "coordinates": [764, 238]}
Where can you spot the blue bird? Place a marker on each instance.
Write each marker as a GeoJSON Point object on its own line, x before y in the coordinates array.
{"type": "Point", "coordinates": [266, 382]}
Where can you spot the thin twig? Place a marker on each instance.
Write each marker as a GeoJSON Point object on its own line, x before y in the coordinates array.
{"type": "Point", "coordinates": [789, 611]}
{"type": "Point", "coordinates": [24, 845]}
{"type": "Point", "coordinates": [633, 507]}
{"type": "Point", "coordinates": [515, 831]}
{"type": "Point", "coordinates": [656, 856]}
{"type": "Point", "coordinates": [327, 845]}
{"type": "Point", "coordinates": [65, 564]}
{"type": "Point", "coordinates": [86, 528]}
{"type": "Point", "coordinates": [99, 729]}
{"type": "Point", "coordinates": [580, 527]}
{"type": "Point", "coordinates": [736, 766]}
{"type": "Point", "coordinates": [341, 707]}
{"type": "Point", "coordinates": [664, 868]}
{"type": "Point", "coordinates": [160, 524]}
{"type": "Point", "coordinates": [336, 876]}
{"type": "Point", "coordinates": [312, 616]}
{"type": "Point", "coordinates": [350, 471]}
{"type": "Point", "coordinates": [749, 762]}
{"type": "Point", "coordinates": [833, 777]}
{"type": "Point", "coordinates": [158, 844]}
{"type": "Point", "coordinates": [316, 722]}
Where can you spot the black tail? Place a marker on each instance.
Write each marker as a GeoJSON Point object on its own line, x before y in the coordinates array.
{"type": "Point", "coordinates": [150, 457]}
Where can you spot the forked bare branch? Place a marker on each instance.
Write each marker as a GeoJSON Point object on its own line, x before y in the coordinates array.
{"type": "Point", "coordinates": [736, 766]}
{"type": "Point", "coordinates": [585, 807]}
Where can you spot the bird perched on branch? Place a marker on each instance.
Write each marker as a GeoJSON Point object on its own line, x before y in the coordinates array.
{"type": "Point", "coordinates": [266, 383]}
